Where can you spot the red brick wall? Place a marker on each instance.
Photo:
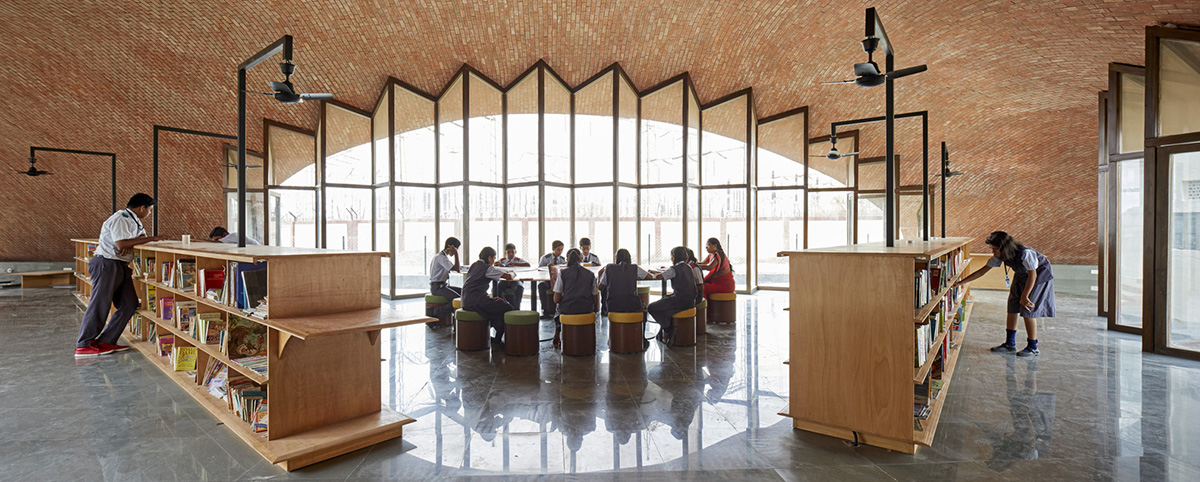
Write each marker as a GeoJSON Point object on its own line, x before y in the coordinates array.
{"type": "Point", "coordinates": [1011, 87]}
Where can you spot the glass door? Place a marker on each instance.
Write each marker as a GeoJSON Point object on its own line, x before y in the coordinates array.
{"type": "Point", "coordinates": [1125, 196]}
{"type": "Point", "coordinates": [1183, 248]}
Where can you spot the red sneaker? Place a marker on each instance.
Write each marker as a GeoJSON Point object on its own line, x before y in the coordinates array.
{"type": "Point", "coordinates": [91, 351]}
{"type": "Point", "coordinates": [110, 348]}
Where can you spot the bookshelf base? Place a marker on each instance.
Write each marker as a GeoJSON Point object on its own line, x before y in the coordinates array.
{"type": "Point", "coordinates": [905, 446]}
{"type": "Point", "coordinates": [297, 450]}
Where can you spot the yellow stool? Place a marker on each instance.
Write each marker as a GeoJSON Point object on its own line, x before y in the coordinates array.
{"type": "Point", "coordinates": [578, 334]}
{"type": "Point", "coordinates": [722, 307]}
{"type": "Point", "coordinates": [685, 328]}
{"type": "Point", "coordinates": [625, 332]}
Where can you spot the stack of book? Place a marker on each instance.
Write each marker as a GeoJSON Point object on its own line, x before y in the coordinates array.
{"type": "Point", "coordinates": [209, 329]}
{"type": "Point", "coordinates": [185, 316]}
{"type": "Point", "coordinates": [210, 283]}
{"type": "Point", "coordinates": [257, 363]}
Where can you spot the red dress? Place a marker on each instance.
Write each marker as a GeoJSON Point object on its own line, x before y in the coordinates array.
{"type": "Point", "coordinates": [718, 284]}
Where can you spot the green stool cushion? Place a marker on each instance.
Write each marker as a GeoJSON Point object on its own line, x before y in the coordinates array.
{"type": "Point", "coordinates": [702, 305]}
{"type": "Point", "coordinates": [643, 290]}
{"type": "Point", "coordinates": [464, 315]}
{"type": "Point", "coordinates": [521, 317]}
{"type": "Point", "coordinates": [436, 300]}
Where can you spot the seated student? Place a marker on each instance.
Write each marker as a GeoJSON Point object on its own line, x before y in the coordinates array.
{"type": "Point", "coordinates": [554, 257]}
{"type": "Point", "coordinates": [511, 290]}
{"type": "Point", "coordinates": [574, 290]}
{"type": "Point", "coordinates": [620, 280]}
{"type": "Point", "coordinates": [588, 258]}
{"type": "Point", "coordinates": [720, 273]}
{"type": "Point", "coordinates": [683, 297]}
{"type": "Point", "coordinates": [440, 268]}
{"type": "Point", "coordinates": [475, 297]}
{"type": "Point", "coordinates": [697, 275]}
{"type": "Point", "coordinates": [220, 235]}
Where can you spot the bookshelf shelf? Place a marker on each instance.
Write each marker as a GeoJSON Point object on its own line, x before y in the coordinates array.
{"type": "Point", "coordinates": [323, 375]}
{"type": "Point", "coordinates": [855, 303]}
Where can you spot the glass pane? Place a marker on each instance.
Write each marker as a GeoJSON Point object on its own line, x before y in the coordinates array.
{"type": "Point", "coordinates": [692, 217]}
{"type": "Point", "coordinates": [662, 225]}
{"type": "Point", "coordinates": [450, 133]}
{"type": "Point", "coordinates": [383, 235]}
{"type": "Point", "coordinates": [911, 217]}
{"type": "Point", "coordinates": [292, 158]}
{"type": "Point", "coordinates": [1130, 221]}
{"type": "Point", "coordinates": [835, 173]}
{"type": "Point", "coordinates": [871, 218]}
{"type": "Point", "coordinates": [1183, 256]}
{"type": "Point", "coordinates": [487, 220]}
{"type": "Point", "coordinates": [293, 218]}
{"type": "Point", "coordinates": [414, 142]}
{"type": "Point", "coordinates": [693, 137]}
{"type": "Point", "coordinates": [416, 241]}
{"type": "Point", "coordinates": [781, 150]}
{"type": "Point", "coordinates": [558, 131]}
{"type": "Point", "coordinates": [254, 166]}
{"type": "Point", "coordinates": [486, 133]}
{"type": "Point", "coordinates": [724, 143]}
{"type": "Point", "coordinates": [627, 133]}
{"type": "Point", "coordinates": [558, 216]}
{"type": "Point", "coordinates": [450, 218]}
{"type": "Point", "coordinates": [348, 218]}
{"type": "Point", "coordinates": [255, 214]}
{"type": "Point", "coordinates": [523, 131]}
{"type": "Point", "coordinates": [379, 136]}
{"type": "Point", "coordinates": [871, 176]}
{"type": "Point", "coordinates": [829, 219]}
{"type": "Point", "coordinates": [662, 136]}
{"type": "Point", "coordinates": [724, 218]}
{"type": "Point", "coordinates": [627, 221]}
{"type": "Point", "coordinates": [594, 218]}
{"type": "Point", "coordinates": [523, 229]}
{"type": "Point", "coordinates": [348, 147]}
{"type": "Point", "coordinates": [1179, 82]}
{"type": "Point", "coordinates": [594, 132]}
{"type": "Point", "coordinates": [780, 227]}
{"type": "Point", "coordinates": [1132, 113]}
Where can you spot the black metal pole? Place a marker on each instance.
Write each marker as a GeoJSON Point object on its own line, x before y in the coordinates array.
{"type": "Point", "coordinates": [114, 183]}
{"type": "Point", "coordinates": [33, 154]}
{"type": "Point", "coordinates": [154, 161]}
{"type": "Point", "coordinates": [925, 224]}
{"type": "Point", "coordinates": [154, 170]}
{"type": "Point", "coordinates": [889, 158]}
{"type": "Point", "coordinates": [945, 157]}
{"type": "Point", "coordinates": [241, 196]}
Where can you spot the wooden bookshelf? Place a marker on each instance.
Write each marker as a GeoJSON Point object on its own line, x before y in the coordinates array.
{"type": "Point", "coordinates": [853, 340]}
{"type": "Point", "coordinates": [323, 351]}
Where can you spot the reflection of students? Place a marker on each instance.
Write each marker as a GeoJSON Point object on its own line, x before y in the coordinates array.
{"type": "Point", "coordinates": [1031, 295]}
{"type": "Point", "coordinates": [1032, 413]}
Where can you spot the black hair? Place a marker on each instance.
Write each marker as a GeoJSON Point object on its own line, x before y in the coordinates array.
{"type": "Point", "coordinates": [623, 256]}
{"type": "Point", "coordinates": [679, 253]}
{"type": "Point", "coordinates": [691, 255]}
{"type": "Point", "coordinates": [573, 257]}
{"type": "Point", "coordinates": [721, 256]}
{"type": "Point", "coordinates": [556, 244]}
{"type": "Point", "coordinates": [585, 242]}
{"type": "Point", "coordinates": [486, 253]}
{"type": "Point", "coordinates": [218, 232]}
{"type": "Point", "coordinates": [452, 241]}
{"type": "Point", "coordinates": [140, 200]}
{"type": "Point", "coordinates": [1010, 249]}
{"type": "Point", "coordinates": [510, 246]}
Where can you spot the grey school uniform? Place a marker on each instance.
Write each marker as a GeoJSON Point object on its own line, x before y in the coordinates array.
{"type": "Point", "coordinates": [683, 296]}
{"type": "Point", "coordinates": [577, 285]}
{"type": "Point", "coordinates": [511, 290]}
{"type": "Point", "coordinates": [1042, 294]}
{"type": "Point", "coordinates": [620, 281]}
{"type": "Point", "coordinates": [439, 273]}
{"type": "Point", "coordinates": [475, 297]}
{"type": "Point", "coordinates": [544, 286]}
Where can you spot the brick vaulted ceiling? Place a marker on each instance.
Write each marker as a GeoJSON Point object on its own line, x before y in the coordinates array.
{"type": "Point", "coordinates": [1011, 86]}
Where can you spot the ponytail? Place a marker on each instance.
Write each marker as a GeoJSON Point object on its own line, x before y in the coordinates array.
{"type": "Point", "coordinates": [573, 257]}
{"type": "Point", "coordinates": [722, 258]}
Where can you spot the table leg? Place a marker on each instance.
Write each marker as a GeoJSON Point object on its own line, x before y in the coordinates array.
{"type": "Point", "coordinates": [533, 292]}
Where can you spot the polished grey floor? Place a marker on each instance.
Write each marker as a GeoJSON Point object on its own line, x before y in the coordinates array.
{"type": "Point", "coordinates": [1092, 407]}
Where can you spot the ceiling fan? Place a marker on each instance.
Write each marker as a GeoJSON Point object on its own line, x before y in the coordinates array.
{"type": "Point", "coordinates": [867, 74]}
{"type": "Point", "coordinates": [254, 166]}
{"type": "Point", "coordinates": [833, 152]}
{"type": "Point", "coordinates": [33, 171]}
{"type": "Point", "coordinates": [285, 92]}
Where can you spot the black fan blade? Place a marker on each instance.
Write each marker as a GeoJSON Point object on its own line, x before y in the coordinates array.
{"type": "Point", "coordinates": [316, 96]}
{"type": "Point", "coordinates": [851, 81]}
{"type": "Point", "coordinates": [281, 87]}
{"type": "Point", "coordinates": [866, 68]}
{"type": "Point", "coordinates": [253, 166]}
{"type": "Point", "coordinates": [896, 74]}
{"type": "Point", "coordinates": [44, 173]}
{"type": "Point", "coordinates": [259, 93]}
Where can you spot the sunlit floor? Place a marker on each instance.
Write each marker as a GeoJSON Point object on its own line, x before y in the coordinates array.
{"type": "Point", "coordinates": [1091, 407]}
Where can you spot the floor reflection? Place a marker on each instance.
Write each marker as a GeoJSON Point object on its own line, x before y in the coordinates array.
{"type": "Point", "coordinates": [1032, 412]}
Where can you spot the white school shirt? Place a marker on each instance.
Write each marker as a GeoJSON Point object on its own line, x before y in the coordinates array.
{"type": "Point", "coordinates": [641, 274]}
{"type": "Point", "coordinates": [439, 269]}
{"type": "Point", "coordinates": [697, 274]}
{"type": "Point", "coordinates": [1028, 259]}
{"type": "Point", "coordinates": [670, 272]}
{"type": "Point", "coordinates": [122, 225]}
{"type": "Point", "coordinates": [590, 258]}
{"type": "Point", "coordinates": [232, 238]}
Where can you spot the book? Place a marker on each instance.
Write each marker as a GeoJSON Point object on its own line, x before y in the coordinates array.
{"type": "Point", "coordinates": [240, 299]}
{"type": "Point", "coordinates": [209, 280]}
{"type": "Point", "coordinates": [257, 363]}
{"type": "Point", "coordinates": [166, 308]}
{"type": "Point", "coordinates": [212, 329]}
{"type": "Point", "coordinates": [184, 358]}
{"type": "Point", "coordinates": [151, 298]}
{"type": "Point", "coordinates": [246, 338]}
{"type": "Point", "coordinates": [186, 278]}
{"type": "Point", "coordinates": [185, 316]}
{"type": "Point", "coordinates": [166, 273]}
{"type": "Point", "coordinates": [165, 344]}
{"type": "Point", "coordinates": [148, 267]}
{"type": "Point", "coordinates": [259, 420]}
{"type": "Point", "coordinates": [254, 287]}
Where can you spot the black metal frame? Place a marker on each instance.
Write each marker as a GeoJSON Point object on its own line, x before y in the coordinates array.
{"type": "Point", "coordinates": [892, 176]}
{"type": "Point", "coordinates": [283, 45]}
{"type": "Point", "coordinates": [32, 155]}
{"type": "Point", "coordinates": [154, 162]}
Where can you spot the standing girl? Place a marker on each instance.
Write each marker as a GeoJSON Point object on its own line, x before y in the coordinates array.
{"type": "Point", "coordinates": [1031, 295]}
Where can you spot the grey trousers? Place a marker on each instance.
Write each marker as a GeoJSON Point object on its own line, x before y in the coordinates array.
{"type": "Point", "coordinates": [112, 285]}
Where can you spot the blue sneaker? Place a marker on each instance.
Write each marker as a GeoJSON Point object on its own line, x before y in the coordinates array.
{"type": "Point", "coordinates": [1005, 348]}
{"type": "Point", "coordinates": [1028, 351]}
